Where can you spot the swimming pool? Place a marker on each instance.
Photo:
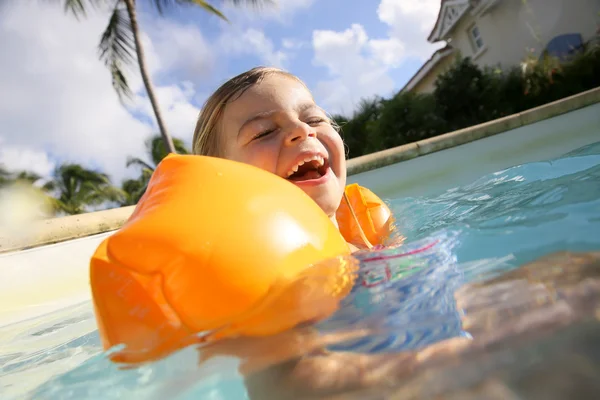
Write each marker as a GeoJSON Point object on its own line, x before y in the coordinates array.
{"type": "Point", "coordinates": [497, 222]}
{"type": "Point", "coordinates": [481, 227]}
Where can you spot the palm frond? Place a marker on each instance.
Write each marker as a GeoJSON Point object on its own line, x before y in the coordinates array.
{"type": "Point", "coordinates": [155, 147]}
{"type": "Point", "coordinates": [207, 7]}
{"type": "Point", "coordinates": [180, 146]}
{"type": "Point", "coordinates": [119, 81]}
{"type": "Point", "coordinates": [76, 7]}
{"type": "Point", "coordinates": [162, 5]}
{"type": "Point", "coordinates": [138, 162]}
{"type": "Point", "coordinates": [79, 187]}
{"type": "Point", "coordinates": [117, 47]}
{"type": "Point", "coordinates": [134, 190]}
{"type": "Point", "coordinates": [79, 7]}
{"type": "Point", "coordinates": [236, 3]}
{"type": "Point", "coordinates": [253, 3]}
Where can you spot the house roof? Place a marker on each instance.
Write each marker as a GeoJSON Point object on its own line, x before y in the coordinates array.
{"type": "Point", "coordinates": [437, 21]}
{"type": "Point", "coordinates": [451, 11]}
{"type": "Point", "coordinates": [435, 58]}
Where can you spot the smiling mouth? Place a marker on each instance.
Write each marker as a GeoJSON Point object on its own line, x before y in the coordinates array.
{"type": "Point", "coordinates": [313, 167]}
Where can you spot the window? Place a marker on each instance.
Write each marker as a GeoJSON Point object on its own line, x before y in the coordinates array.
{"type": "Point", "coordinates": [476, 38]}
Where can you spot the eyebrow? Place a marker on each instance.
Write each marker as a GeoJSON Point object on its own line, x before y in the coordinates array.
{"type": "Point", "coordinates": [267, 114]}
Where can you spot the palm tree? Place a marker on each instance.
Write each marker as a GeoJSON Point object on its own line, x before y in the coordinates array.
{"type": "Point", "coordinates": [76, 188]}
{"type": "Point", "coordinates": [122, 37]}
{"type": "Point", "coordinates": [135, 188]}
{"type": "Point", "coordinates": [156, 151]}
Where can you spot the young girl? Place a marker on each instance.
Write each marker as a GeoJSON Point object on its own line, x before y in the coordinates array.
{"type": "Point", "coordinates": [268, 118]}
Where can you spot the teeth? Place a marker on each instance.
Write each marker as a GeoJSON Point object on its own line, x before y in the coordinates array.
{"type": "Point", "coordinates": [320, 161]}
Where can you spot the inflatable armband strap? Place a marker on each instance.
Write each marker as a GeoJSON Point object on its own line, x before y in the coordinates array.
{"type": "Point", "coordinates": [363, 218]}
{"type": "Point", "coordinates": [219, 248]}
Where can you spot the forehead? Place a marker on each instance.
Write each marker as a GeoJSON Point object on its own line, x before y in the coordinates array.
{"type": "Point", "coordinates": [275, 92]}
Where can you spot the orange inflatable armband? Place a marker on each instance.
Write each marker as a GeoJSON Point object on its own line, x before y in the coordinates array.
{"type": "Point", "coordinates": [220, 248]}
{"type": "Point", "coordinates": [363, 218]}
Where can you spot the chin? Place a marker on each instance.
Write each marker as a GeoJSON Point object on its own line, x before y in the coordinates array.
{"type": "Point", "coordinates": [327, 196]}
{"type": "Point", "coordinates": [328, 202]}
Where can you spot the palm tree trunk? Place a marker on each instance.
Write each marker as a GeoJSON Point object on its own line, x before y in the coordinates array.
{"type": "Point", "coordinates": [145, 76]}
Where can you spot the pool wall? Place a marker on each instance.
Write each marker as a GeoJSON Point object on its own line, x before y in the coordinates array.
{"type": "Point", "coordinates": [46, 268]}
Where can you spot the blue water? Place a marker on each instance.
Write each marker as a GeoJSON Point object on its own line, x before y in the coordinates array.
{"type": "Point", "coordinates": [494, 224]}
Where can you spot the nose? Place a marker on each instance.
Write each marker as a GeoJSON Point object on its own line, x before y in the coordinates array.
{"type": "Point", "coordinates": [299, 132]}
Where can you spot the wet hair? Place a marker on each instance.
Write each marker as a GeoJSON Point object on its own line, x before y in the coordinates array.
{"type": "Point", "coordinates": [206, 133]}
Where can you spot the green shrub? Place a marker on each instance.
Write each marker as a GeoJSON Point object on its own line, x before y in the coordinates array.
{"type": "Point", "coordinates": [405, 118]}
{"type": "Point", "coordinates": [467, 95]}
{"type": "Point", "coordinates": [355, 130]}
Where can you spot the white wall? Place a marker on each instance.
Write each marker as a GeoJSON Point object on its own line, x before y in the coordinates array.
{"type": "Point", "coordinates": [513, 26]}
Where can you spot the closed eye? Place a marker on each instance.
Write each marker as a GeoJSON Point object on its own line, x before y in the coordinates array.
{"type": "Point", "coordinates": [315, 121]}
{"type": "Point", "coordinates": [263, 134]}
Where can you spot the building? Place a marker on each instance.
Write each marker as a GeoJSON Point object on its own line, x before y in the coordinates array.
{"type": "Point", "coordinates": [505, 32]}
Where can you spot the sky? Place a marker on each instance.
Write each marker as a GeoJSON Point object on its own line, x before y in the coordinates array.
{"type": "Point", "coordinates": [58, 104]}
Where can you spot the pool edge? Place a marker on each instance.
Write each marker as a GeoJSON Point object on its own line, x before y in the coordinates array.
{"type": "Point", "coordinates": [448, 140]}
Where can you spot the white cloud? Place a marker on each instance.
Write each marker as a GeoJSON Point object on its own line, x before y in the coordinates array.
{"type": "Point", "coordinates": [388, 51]}
{"type": "Point", "coordinates": [293, 44]}
{"type": "Point", "coordinates": [252, 42]}
{"type": "Point", "coordinates": [58, 102]}
{"type": "Point", "coordinates": [175, 103]}
{"type": "Point", "coordinates": [182, 49]}
{"type": "Point", "coordinates": [25, 159]}
{"type": "Point", "coordinates": [356, 73]}
{"type": "Point", "coordinates": [359, 66]}
{"type": "Point", "coordinates": [410, 23]}
{"type": "Point", "coordinates": [57, 95]}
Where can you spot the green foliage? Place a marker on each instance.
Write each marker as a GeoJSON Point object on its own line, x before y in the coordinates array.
{"type": "Point", "coordinates": [156, 151]}
{"type": "Point", "coordinates": [120, 43]}
{"type": "Point", "coordinates": [355, 130]}
{"type": "Point", "coordinates": [73, 189]}
{"type": "Point", "coordinates": [135, 188]}
{"type": "Point", "coordinates": [117, 46]}
{"type": "Point", "coordinates": [467, 95]}
{"type": "Point", "coordinates": [76, 188]}
{"type": "Point", "coordinates": [405, 118]}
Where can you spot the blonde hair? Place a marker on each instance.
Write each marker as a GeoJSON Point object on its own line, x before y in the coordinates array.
{"type": "Point", "coordinates": [206, 135]}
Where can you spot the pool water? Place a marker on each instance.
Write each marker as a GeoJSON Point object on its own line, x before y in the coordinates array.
{"type": "Point", "coordinates": [497, 223]}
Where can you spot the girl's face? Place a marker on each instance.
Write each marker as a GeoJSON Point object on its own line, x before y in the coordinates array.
{"type": "Point", "coordinates": [276, 125]}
